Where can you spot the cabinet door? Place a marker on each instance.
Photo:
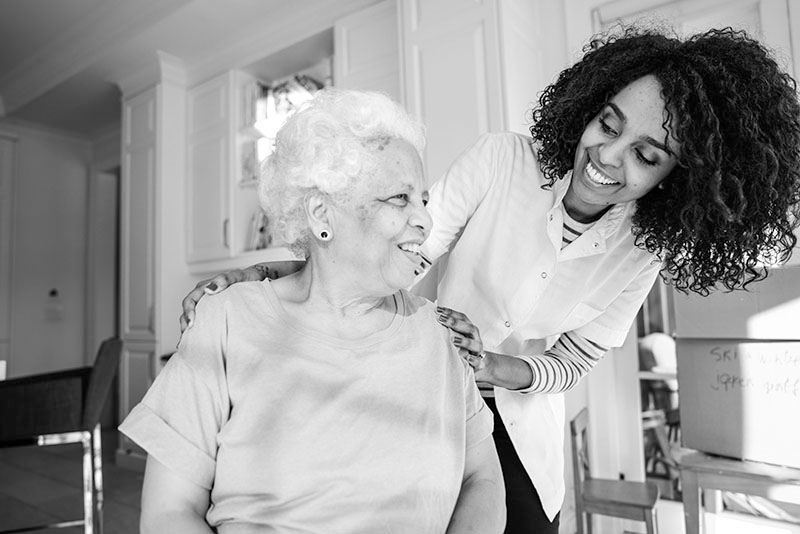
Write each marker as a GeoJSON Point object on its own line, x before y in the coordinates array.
{"type": "Point", "coordinates": [451, 65]}
{"type": "Point", "coordinates": [208, 214]}
{"type": "Point", "coordinates": [137, 217]}
{"type": "Point", "coordinates": [367, 51]}
{"type": "Point", "coordinates": [7, 151]}
{"type": "Point", "coordinates": [137, 371]}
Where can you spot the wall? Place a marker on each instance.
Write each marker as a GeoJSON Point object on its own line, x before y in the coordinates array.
{"type": "Point", "coordinates": [48, 250]}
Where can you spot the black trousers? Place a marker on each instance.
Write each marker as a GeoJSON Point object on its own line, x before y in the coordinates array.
{"type": "Point", "coordinates": [524, 512]}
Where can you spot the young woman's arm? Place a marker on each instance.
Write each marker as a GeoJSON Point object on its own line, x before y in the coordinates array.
{"type": "Point", "coordinates": [171, 503]}
{"type": "Point", "coordinates": [254, 273]}
{"type": "Point", "coordinates": [559, 369]}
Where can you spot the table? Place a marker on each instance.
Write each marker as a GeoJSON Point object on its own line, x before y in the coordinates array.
{"type": "Point", "coordinates": [702, 472]}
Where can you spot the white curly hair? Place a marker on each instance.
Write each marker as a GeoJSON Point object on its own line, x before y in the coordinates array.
{"type": "Point", "coordinates": [328, 145]}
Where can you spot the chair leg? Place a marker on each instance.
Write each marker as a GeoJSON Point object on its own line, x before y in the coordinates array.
{"type": "Point", "coordinates": [88, 483]}
{"type": "Point", "coordinates": [588, 523]}
{"type": "Point", "coordinates": [97, 468]}
{"type": "Point", "coordinates": [580, 517]}
{"type": "Point", "coordinates": [650, 521]}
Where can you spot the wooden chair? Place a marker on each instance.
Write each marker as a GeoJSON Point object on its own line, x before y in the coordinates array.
{"type": "Point", "coordinates": [64, 407]}
{"type": "Point", "coordinates": [660, 465]}
{"type": "Point", "coordinates": [616, 498]}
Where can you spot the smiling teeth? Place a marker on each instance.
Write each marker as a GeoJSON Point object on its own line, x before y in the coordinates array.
{"type": "Point", "coordinates": [410, 247]}
{"type": "Point", "coordinates": [598, 177]}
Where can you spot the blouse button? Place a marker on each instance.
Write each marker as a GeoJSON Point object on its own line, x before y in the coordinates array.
{"type": "Point", "coordinates": [508, 324]}
{"type": "Point", "coordinates": [544, 275]}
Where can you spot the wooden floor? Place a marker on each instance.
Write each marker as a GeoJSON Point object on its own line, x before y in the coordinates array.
{"type": "Point", "coordinates": [43, 485]}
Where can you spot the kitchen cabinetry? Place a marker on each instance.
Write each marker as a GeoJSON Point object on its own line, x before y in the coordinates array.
{"type": "Point", "coordinates": [137, 214]}
{"type": "Point", "coordinates": [137, 254]}
{"type": "Point", "coordinates": [7, 152]}
{"type": "Point", "coordinates": [222, 195]}
{"type": "Point", "coordinates": [470, 68]}
{"type": "Point", "coordinates": [368, 50]}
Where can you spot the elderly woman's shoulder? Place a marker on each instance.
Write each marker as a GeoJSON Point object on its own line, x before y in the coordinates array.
{"type": "Point", "coordinates": [418, 306]}
{"type": "Point", "coordinates": [506, 138]}
{"type": "Point", "coordinates": [237, 295]}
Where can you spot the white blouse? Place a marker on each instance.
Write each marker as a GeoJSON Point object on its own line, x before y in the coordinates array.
{"type": "Point", "coordinates": [507, 271]}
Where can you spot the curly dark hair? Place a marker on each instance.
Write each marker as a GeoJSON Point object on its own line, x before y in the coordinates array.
{"type": "Point", "coordinates": [729, 207]}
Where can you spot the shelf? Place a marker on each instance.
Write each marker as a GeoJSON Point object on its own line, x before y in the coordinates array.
{"type": "Point", "coordinates": [251, 257]}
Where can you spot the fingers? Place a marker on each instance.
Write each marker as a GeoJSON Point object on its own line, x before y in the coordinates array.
{"type": "Point", "coordinates": [222, 281]}
{"type": "Point", "coordinates": [210, 287]}
{"type": "Point", "coordinates": [468, 344]}
{"type": "Point", "coordinates": [424, 264]}
{"type": "Point", "coordinates": [189, 303]}
{"type": "Point", "coordinates": [458, 322]}
{"type": "Point", "coordinates": [476, 361]}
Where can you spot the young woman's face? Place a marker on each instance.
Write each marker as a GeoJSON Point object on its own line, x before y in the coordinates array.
{"type": "Point", "coordinates": [385, 221]}
{"type": "Point", "coordinates": [623, 152]}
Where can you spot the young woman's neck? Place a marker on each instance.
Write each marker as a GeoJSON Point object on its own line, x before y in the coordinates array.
{"type": "Point", "coordinates": [583, 213]}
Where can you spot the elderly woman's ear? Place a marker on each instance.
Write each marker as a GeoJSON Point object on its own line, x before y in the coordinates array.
{"type": "Point", "coordinates": [319, 214]}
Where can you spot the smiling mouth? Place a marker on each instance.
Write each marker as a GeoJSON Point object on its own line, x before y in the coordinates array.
{"type": "Point", "coordinates": [597, 177]}
{"type": "Point", "coordinates": [410, 247]}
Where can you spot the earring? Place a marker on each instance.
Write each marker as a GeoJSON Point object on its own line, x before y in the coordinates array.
{"type": "Point", "coordinates": [324, 235]}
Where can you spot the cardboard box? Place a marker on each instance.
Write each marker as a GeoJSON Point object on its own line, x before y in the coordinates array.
{"type": "Point", "coordinates": [741, 398]}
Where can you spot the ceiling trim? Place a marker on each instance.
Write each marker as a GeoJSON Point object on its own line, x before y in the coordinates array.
{"type": "Point", "coordinates": [297, 22]}
{"type": "Point", "coordinates": [81, 46]}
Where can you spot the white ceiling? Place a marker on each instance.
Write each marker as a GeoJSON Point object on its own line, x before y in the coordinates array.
{"type": "Point", "coordinates": [62, 62]}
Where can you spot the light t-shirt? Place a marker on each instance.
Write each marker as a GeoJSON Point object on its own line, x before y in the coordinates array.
{"type": "Point", "coordinates": [293, 430]}
{"type": "Point", "coordinates": [507, 271]}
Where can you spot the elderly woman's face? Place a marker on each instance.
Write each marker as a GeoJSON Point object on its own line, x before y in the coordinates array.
{"type": "Point", "coordinates": [623, 153]}
{"type": "Point", "coordinates": [382, 226]}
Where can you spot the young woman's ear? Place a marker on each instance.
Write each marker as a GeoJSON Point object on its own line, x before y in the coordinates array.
{"type": "Point", "coordinates": [320, 215]}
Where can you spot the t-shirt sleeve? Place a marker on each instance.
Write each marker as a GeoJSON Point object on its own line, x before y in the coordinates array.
{"type": "Point", "coordinates": [480, 420]}
{"type": "Point", "coordinates": [179, 418]}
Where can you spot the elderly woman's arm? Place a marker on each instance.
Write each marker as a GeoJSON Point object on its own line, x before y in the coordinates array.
{"type": "Point", "coordinates": [171, 503]}
{"type": "Point", "coordinates": [481, 505]}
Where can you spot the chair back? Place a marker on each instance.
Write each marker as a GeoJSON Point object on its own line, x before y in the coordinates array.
{"type": "Point", "coordinates": [579, 432]}
{"type": "Point", "coordinates": [579, 429]}
{"type": "Point", "coordinates": [100, 380]}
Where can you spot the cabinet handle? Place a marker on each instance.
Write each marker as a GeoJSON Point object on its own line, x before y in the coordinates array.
{"type": "Point", "coordinates": [225, 233]}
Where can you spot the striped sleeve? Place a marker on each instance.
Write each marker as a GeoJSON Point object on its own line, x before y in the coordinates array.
{"type": "Point", "coordinates": [561, 367]}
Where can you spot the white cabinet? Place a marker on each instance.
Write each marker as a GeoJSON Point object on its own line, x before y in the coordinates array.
{"type": "Point", "coordinates": [220, 204]}
{"type": "Point", "coordinates": [367, 50]}
{"type": "Point", "coordinates": [137, 254]}
{"type": "Point", "coordinates": [222, 197]}
{"type": "Point", "coordinates": [7, 153]}
{"type": "Point", "coordinates": [469, 68]}
{"type": "Point", "coordinates": [137, 372]}
{"type": "Point", "coordinates": [137, 217]}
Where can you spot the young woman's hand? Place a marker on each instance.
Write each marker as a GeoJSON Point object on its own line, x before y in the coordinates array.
{"type": "Point", "coordinates": [467, 337]}
{"type": "Point", "coordinates": [254, 273]}
{"type": "Point", "coordinates": [501, 370]}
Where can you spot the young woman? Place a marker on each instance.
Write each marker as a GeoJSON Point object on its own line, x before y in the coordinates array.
{"type": "Point", "coordinates": [652, 154]}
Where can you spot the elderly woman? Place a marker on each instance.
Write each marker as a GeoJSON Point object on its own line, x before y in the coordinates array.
{"type": "Point", "coordinates": [330, 400]}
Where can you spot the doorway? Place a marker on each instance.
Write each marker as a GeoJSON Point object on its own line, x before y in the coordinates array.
{"type": "Point", "coordinates": [102, 310]}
